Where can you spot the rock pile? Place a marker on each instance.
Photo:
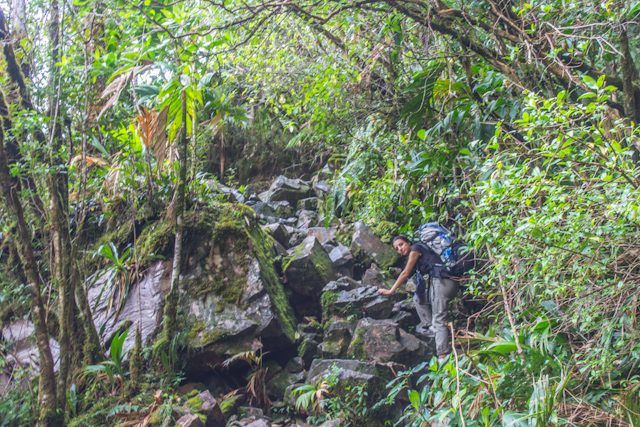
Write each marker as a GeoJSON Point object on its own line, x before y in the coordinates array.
{"type": "Point", "coordinates": [276, 278]}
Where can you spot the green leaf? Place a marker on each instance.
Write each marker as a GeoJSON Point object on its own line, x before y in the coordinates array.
{"type": "Point", "coordinates": [590, 82]}
{"type": "Point", "coordinates": [503, 347]}
{"type": "Point", "coordinates": [414, 398]}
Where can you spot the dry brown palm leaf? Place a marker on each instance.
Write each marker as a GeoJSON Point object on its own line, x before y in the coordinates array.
{"type": "Point", "coordinates": [250, 357]}
{"type": "Point", "coordinates": [111, 182]}
{"type": "Point", "coordinates": [117, 85]}
{"type": "Point", "coordinates": [321, 392]}
{"type": "Point", "coordinates": [257, 389]}
{"type": "Point", "coordinates": [152, 129]}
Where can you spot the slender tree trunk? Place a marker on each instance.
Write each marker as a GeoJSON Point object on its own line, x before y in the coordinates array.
{"type": "Point", "coordinates": [47, 395]}
{"type": "Point", "coordinates": [60, 235]}
{"type": "Point", "coordinates": [171, 302]}
{"type": "Point", "coordinates": [629, 74]}
{"type": "Point", "coordinates": [92, 348]}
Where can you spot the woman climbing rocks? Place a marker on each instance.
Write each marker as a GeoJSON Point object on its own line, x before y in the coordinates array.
{"type": "Point", "coordinates": [431, 302]}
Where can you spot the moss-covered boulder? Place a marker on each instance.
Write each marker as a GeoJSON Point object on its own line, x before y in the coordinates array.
{"type": "Point", "coordinates": [337, 338]}
{"type": "Point", "coordinates": [308, 268]}
{"type": "Point", "coordinates": [206, 406]}
{"type": "Point", "coordinates": [384, 341]}
{"type": "Point", "coordinates": [232, 295]}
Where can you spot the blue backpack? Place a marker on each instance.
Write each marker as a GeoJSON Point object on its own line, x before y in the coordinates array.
{"type": "Point", "coordinates": [457, 259]}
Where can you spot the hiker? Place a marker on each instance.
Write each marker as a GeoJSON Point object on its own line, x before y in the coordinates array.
{"type": "Point", "coordinates": [431, 302]}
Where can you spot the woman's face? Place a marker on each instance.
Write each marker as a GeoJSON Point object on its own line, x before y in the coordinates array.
{"type": "Point", "coordinates": [402, 247]}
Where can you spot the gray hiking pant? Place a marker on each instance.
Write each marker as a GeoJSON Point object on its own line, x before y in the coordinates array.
{"type": "Point", "coordinates": [434, 312]}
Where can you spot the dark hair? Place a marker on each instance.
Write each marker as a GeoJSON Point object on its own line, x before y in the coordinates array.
{"type": "Point", "coordinates": [400, 237]}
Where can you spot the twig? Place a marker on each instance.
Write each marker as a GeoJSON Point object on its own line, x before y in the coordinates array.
{"type": "Point", "coordinates": [455, 356]}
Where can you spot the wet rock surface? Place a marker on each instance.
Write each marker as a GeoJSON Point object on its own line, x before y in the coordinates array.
{"type": "Point", "coordinates": [141, 309]}
{"type": "Point", "coordinates": [359, 302]}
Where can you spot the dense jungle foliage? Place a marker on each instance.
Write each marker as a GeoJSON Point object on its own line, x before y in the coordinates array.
{"type": "Point", "coordinates": [513, 122]}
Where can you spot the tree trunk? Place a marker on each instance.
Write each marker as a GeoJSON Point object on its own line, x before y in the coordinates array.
{"type": "Point", "coordinates": [47, 395]}
{"type": "Point", "coordinates": [171, 301]}
{"type": "Point", "coordinates": [61, 267]}
{"type": "Point", "coordinates": [629, 74]}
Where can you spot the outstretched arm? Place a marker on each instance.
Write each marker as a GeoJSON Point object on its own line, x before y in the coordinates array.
{"type": "Point", "coordinates": [404, 276]}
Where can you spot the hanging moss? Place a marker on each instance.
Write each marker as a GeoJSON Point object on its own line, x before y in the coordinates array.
{"type": "Point", "coordinates": [263, 249]}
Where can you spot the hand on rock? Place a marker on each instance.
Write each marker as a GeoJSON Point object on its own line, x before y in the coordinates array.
{"type": "Point", "coordinates": [383, 291]}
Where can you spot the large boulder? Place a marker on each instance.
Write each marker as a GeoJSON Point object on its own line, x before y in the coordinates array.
{"type": "Point", "coordinates": [375, 277]}
{"type": "Point", "coordinates": [310, 203]}
{"type": "Point", "coordinates": [367, 247]}
{"type": "Point", "coordinates": [384, 341]}
{"type": "Point", "coordinates": [323, 234]}
{"type": "Point", "coordinates": [337, 338]}
{"type": "Point", "coordinates": [405, 315]}
{"type": "Point", "coordinates": [342, 259]}
{"type": "Point", "coordinates": [363, 301]}
{"type": "Point", "coordinates": [279, 232]}
{"type": "Point", "coordinates": [307, 219]}
{"type": "Point", "coordinates": [288, 189]}
{"type": "Point", "coordinates": [233, 298]}
{"type": "Point", "coordinates": [273, 209]}
{"type": "Point", "coordinates": [308, 268]}
{"type": "Point", "coordinates": [20, 350]}
{"type": "Point", "coordinates": [277, 386]}
{"type": "Point", "coordinates": [345, 375]}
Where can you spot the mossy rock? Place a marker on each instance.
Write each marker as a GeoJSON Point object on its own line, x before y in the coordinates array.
{"type": "Point", "coordinates": [308, 268]}
{"type": "Point", "coordinates": [231, 286]}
